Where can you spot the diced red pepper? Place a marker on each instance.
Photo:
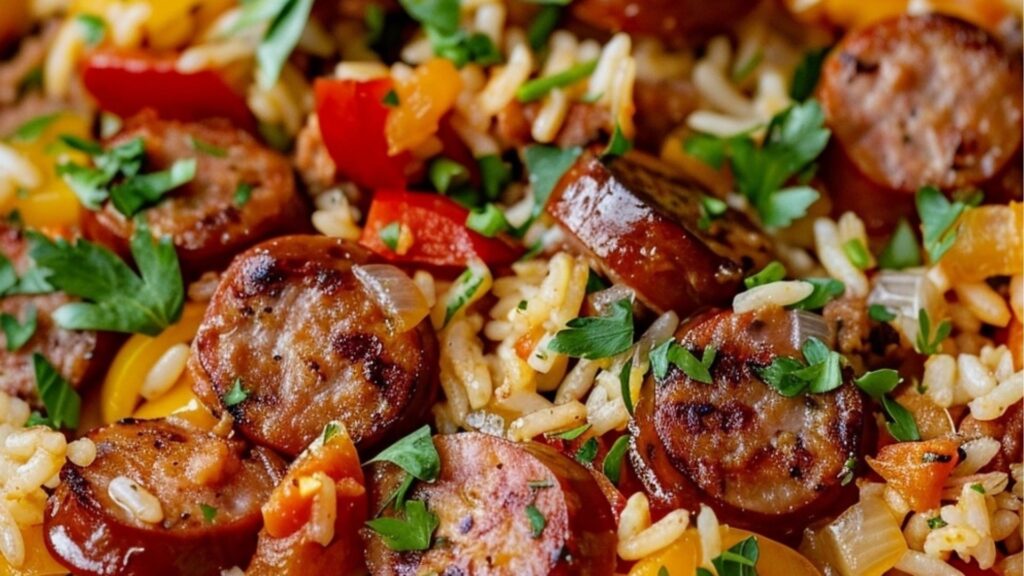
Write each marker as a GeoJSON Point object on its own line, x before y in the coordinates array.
{"type": "Point", "coordinates": [438, 227]}
{"type": "Point", "coordinates": [352, 117]}
{"type": "Point", "coordinates": [126, 83]}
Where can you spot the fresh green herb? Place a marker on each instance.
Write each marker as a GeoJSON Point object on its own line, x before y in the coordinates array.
{"type": "Point", "coordinates": [134, 194]}
{"type": "Point", "coordinates": [825, 290]}
{"type": "Point", "coordinates": [374, 19]}
{"type": "Point", "coordinates": [878, 382]}
{"type": "Point", "coordinates": [117, 299]}
{"type": "Point", "coordinates": [440, 20]}
{"type": "Point", "coordinates": [670, 352]}
{"type": "Point", "coordinates": [899, 421]}
{"type": "Point", "coordinates": [978, 488]}
{"type": "Point", "coordinates": [795, 137]}
{"type": "Point", "coordinates": [539, 87]}
{"type": "Point", "coordinates": [207, 148]}
{"type": "Point", "coordinates": [927, 342]}
{"type": "Point", "coordinates": [880, 313]}
{"type": "Point", "coordinates": [18, 333]}
{"type": "Point", "coordinates": [572, 434]}
{"type": "Point", "coordinates": [390, 99]}
{"type": "Point", "coordinates": [547, 165]}
{"type": "Point", "coordinates": [331, 430]}
{"type": "Point", "coordinates": [936, 522]}
{"type": "Point", "coordinates": [461, 292]}
{"type": "Point", "coordinates": [542, 26]}
{"type": "Point", "coordinates": [773, 272]}
{"type": "Point", "coordinates": [93, 28]}
{"type": "Point", "coordinates": [902, 251]}
{"type": "Point", "coordinates": [31, 81]}
{"type": "Point", "coordinates": [741, 73]}
{"type": "Point", "coordinates": [63, 404]}
{"type": "Point", "coordinates": [820, 371]}
{"type": "Point", "coordinates": [857, 253]}
{"type": "Point", "coordinates": [31, 131]}
{"type": "Point", "coordinates": [805, 77]}
{"type": "Point", "coordinates": [33, 281]}
{"type": "Point", "coordinates": [285, 21]}
{"type": "Point", "coordinates": [242, 195]}
{"type": "Point", "coordinates": [597, 336]}
{"type": "Point", "coordinates": [711, 209]}
{"type": "Point", "coordinates": [488, 221]}
{"type": "Point", "coordinates": [495, 174]}
{"type": "Point", "coordinates": [275, 135]}
{"type": "Point", "coordinates": [446, 173]}
{"type": "Point", "coordinates": [849, 467]}
{"type": "Point", "coordinates": [417, 456]}
{"type": "Point", "coordinates": [441, 15]}
{"type": "Point", "coordinates": [739, 560]}
{"type": "Point", "coordinates": [938, 219]}
{"type": "Point", "coordinates": [587, 452]}
{"type": "Point", "coordinates": [389, 235]}
{"type": "Point", "coordinates": [537, 521]}
{"type": "Point", "coordinates": [522, 305]}
{"type": "Point", "coordinates": [8, 276]}
{"type": "Point", "coordinates": [627, 392]}
{"type": "Point", "coordinates": [237, 394]}
{"type": "Point", "coordinates": [209, 512]}
{"type": "Point", "coordinates": [613, 460]}
{"type": "Point", "coordinates": [594, 282]}
{"type": "Point", "coordinates": [411, 532]}
{"type": "Point", "coordinates": [618, 145]}
{"type": "Point", "coordinates": [662, 571]}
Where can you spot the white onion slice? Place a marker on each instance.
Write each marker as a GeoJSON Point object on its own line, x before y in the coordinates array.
{"type": "Point", "coordinates": [396, 294]}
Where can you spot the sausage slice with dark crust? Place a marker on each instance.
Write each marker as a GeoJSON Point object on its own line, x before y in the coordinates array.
{"type": "Point", "coordinates": [665, 18]}
{"type": "Point", "coordinates": [294, 327]}
{"type": "Point", "coordinates": [481, 498]}
{"type": "Point", "coordinates": [761, 460]}
{"type": "Point", "coordinates": [206, 218]}
{"type": "Point", "coordinates": [185, 469]}
{"type": "Point", "coordinates": [641, 221]}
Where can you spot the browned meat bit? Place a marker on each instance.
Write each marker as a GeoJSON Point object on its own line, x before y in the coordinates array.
{"type": "Point", "coordinates": [1008, 429]}
{"type": "Point", "coordinates": [481, 498]}
{"type": "Point", "coordinates": [312, 161]}
{"type": "Point", "coordinates": [664, 18]}
{"type": "Point", "coordinates": [161, 527]}
{"type": "Point", "coordinates": [208, 221]}
{"type": "Point", "coordinates": [80, 356]}
{"type": "Point", "coordinates": [641, 222]}
{"type": "Point", "coordinates": [761, 460]}
{"type": "Point", "coordinates": [292, 340]}
{"type": "Point", "coordinates": [661, 107]}
{"type": "Point", "coordinates": [848, 319]}
{"type": "Point", "coordinates": [584, 124]}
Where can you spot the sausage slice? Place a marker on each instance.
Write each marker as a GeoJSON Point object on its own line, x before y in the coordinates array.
{"type": "Point", "coordinates": [481, 498]}
{"type": "Point", "coordinates": [665, 18]}
{"type": "Point", "coordinates": [761, 460]}
{"type": "Point", "coordinates": [923, 100]}
{"type": "Point", "coordinates": [294, 327]}
{"type": "Point", "coordinates": [80, 356]}
{"type": "Point", "coordinates": [92, 534]}
{"type": "Point", "coordinates": [640, 221]}
{"type": "Point", "coordinates": [205, 218]}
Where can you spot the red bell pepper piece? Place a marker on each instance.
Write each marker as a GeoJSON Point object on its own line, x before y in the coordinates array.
{"type": "Point", "coordinates": [438, 226]}
{"type": "Point", "coordinates": [126, 83]}
{"type": "Point", "coordinates": [352, 116]}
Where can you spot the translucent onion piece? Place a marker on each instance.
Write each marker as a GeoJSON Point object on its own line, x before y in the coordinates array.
{"type": "Point", "coordinates": [395, 293]}
{"type": "Point", "coordinates": [865, 540]}
{"type": "Point", "coordinates": [904, 293]}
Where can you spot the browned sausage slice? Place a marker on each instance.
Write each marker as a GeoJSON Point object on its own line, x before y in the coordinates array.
{"type": "Point", "coordinates": [481, 498]}
{"type": "Point", "coordinates": [665, 18]}
{"type": "Point", "coordinates": [761, 460]}
{"type": "Point", "coordinates": [294, 327]}
{"type": "Point", "coordinates": [92, 534]}
{"type": "Point", "coordinates": [923, 100]}
{"type": "Point", "coordinates": [640, 221]}
{"type": "Point", "coordinates": [79, 355]}
{"type": "Point", "coordinates": [205, 219]}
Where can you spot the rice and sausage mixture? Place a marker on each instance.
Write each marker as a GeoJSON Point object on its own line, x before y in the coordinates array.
{"type": "Point", "coordinates": [511, 287]}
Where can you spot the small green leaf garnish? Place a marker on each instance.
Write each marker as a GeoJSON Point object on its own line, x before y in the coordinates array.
{"type": "Point", "coordinates": [209, 513]}
{"type": "Point", "coordinates": [880, 313]}
{"type": "Point", "coordinates": [878, 382]}
{"type": "Point", "coordinates": [242, 195]}
{"type": "Point", "coordinates": [63, 404]}
{"type": "Point", "coordinates": [537, 521]}
{"type": "Point", "coordinates": [805, 77]}
{"type": "Point", "coordinates": [495, 175]}
{"type": "Point", "coordinates": [31, 130]}
{"type": "Point", "coordinates": [570, 434]}
{"type": "Point", "coordinates": [618, 145]}
{"type": "Point", "coordinates": [938, 219]}
{"type": "Point", "coordinates": [390, 99]}
{"type": "Point", "coordinates": [389, 234]}
{"type": "Point", "coordinates": [773, 272]}
{"type": "Point", "coordinates": [857, 253]}
{"type": "Point", "coordinates": [587, 452]}
{"type": "Point", "coordinates": [236, 395]}
{"type": "Point", "coordinates": [612, 466]}
{"type": "Point", "coordinates": [411, 532]}
{"type": "Point", "coordinates": [18, 333]}
{"type": "Point", "coordinates": [711, 209]}
{"type": "Point", "coordinates": [926, 342]}
{"type": "Point", "coordinates": [902, 251]}
{"type": "Point", "coordinates": [415, 454]}
{"type": "Point", "coordinates": [285, 20]}
{"type": "Point", "coordinates": [546, 166]}
{"type": "Point", "coordinates": [595, 337]}
{"type": "Point", "coordinates": [825, 290]}
{"type": "Point", "coordinates": [488, 221]}
{"type": "Point", "coordinates": [936, 522]}
{"type": "Point", "coordinates": [93, 28]}
{"type": "Point", "coordinates": [820, 371]}
{"type": "Point", "coordinates": [461, 292]}
{"type": "Point", "coordinates": [624, 378]}
{"type": "Point", "coordinates": [670, 352]}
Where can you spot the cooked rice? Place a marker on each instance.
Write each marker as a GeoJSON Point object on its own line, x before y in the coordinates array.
{"type": "Point", "coordinates": [135, 499]}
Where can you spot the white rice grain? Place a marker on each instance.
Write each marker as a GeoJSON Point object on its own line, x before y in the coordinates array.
{"type": "Point", "coordinates": [995, 403]}
{"type": "Point", "coordinates": [165, 372]}
{"type": "Point", "coordinates": [781, 293]}
{"type": "Point", "coordinates": [558, 417]}
{"type": "Point", "coordinates": [984, 302]}
{"type": "Point", "coordinates": [834, 258]}
{"type": "Point", "coordinates": [135, 499]}
{"type": "Point", "coordinates": [504, 82]}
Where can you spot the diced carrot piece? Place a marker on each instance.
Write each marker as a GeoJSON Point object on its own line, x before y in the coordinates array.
{"type": "Point", "coordinates": [917, 470]}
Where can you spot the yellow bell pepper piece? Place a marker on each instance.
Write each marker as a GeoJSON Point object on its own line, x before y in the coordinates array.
{"type": "Point", "coordinates": [38, 561]}
{"type": "Point", "coordinates": [683, 557]}
{"type": "Point", "coordinates": [120, 392]}
{"type": "Point", "coordinates": [422, 100]}
{"type": "Point", "coordinates": [181, 402]}
{"type": "Point", "coordinates": [52, 203]}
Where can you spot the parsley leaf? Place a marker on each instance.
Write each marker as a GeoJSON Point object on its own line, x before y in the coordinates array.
{"type": "Point", "coordinates": [938, 219]}
{"type": "Point", "coordinates": [63, 404]}
{"type": "Point", "coordinates": [209, 512]}
{"type": "Point", "coordinates": [389, 234]}
{"type": "Point", "coordinates": [627, 392]}
{"type": "Point", "coordinates": [134, 194]}
{"type": "Point", "coordinates": [495, 175]}
{"type": "Point", "coordinates": [415, 454]}
{"type": "Point", "coordinates": [18, 333]}
{"type": "Point", "coordinates": [31, 130]}
{"type": "Point", "coordinates": [772, 272]}
{"type": "Point", "coordinates": [670, 352]}
{"type": "Point", "coordinates": [537, 521]}
{"type": "Point", "coordinates": [613, 460]}
{"type": "Point", "coordinates": [618, 145]}
{"type": "Point", "coordinates": [489, 221]}
{"type": "Point", "coordinates": [412, 532]}
{"type": "Point", "coordinates": [547, 165]}
{"type": "Point", "coordinates": [462, 291]}
{"type": "Point", "coordinates": [8, 276]}
{"type": "Point", "coordinates": [711, 208]}
{"type": "Point", "coordinates": [242, 195]}
{"type": "Point", "coordinates": [738, 560]}
{"type": "Point", "coordinates": [927, 342]}
{"type": "Point", "coordinates": [880, 313]}
{"type": "Point", "coordinates": [570, 434]}
{"type": "Point", "coordinates": [820, 372]}
{"type": "Point", "coordinates": [117, 299]}
{"type": "Point", "coordinates": [902, 251]}
{"type": "Point", "coordinates": [207, 148]}
{"type": "Point", "coordinates": [805, 77]}
{"type": "Point", "coordinates": [390, 99]}
{"type": "Point", "coordinates": [878, 382]}
{"type": "Point", "coordinates": [587, 452]}
{"type": "Point", "coordinates": [446, 173]}
{"type": "Point", "coordinates": [93, 28]}
{"type": "Point", "coordinates": [597, 336]}
{"type": "Point", "coordinates": [286, 20]}
{"type": "Point", "coordinates": [899, 421]}
{"type": "Point", "coordinates": [825, 290]}
{"type": "Point", "coordinates": [857, 253]}
{"type": "Point", "coordinates": [237, 394]}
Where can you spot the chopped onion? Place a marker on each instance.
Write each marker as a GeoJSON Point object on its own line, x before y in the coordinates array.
{"type": "Point", "coordinates": [395, 293]}
{"type": "Point", "coordinates": [905, 293]}
{"type": "Point", "coordinates": [805, 325]}
{"type": "Point", "coordinates": [865, 539]}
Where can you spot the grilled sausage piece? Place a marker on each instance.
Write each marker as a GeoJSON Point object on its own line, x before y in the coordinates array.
{"type": "Point", "coordinates": [761, 460]}
{"type": "Point", "coordinates": [640, 222]}
{"type": "Point", "coordinates": [294, 327]}
{"type": "Point", "coordinates": [481, 498]}
{"type": "Point", "coordinates": [665, 18]}
{"type": "Point", "coordinates": [80, 356]}
{"type": "Point", "coordinates": [93, 534]}
{"type": "Point", "coordinates": [921, 100]}
{"type": "Point", "coordinates": [206, 218]}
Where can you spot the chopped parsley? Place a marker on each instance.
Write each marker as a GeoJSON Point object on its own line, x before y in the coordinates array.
{"type": "Point", "coordinates": [209, 513]}
{"type": "Point", "coordinates": [390, 234]}
{"type": "Point", "coordinates": [285, 19]}
{"type": "Point", "coordinates": [927, 342]}
{"type": "Point", "coordinates": [938, 219]}
{"type": "Point", "coordinates": [417, 456]}
{"type": "Point", "coordinates": [857, 253]}
{"type": "Point", "coordinates": [880, 313]}
{"type": "Point", "coordinates": [242, 195]}
{"type": "Point", "coordinates": [595, 337]}
{"type": "Point", "coordinates": [445, 174]}
{"type": "Point", "coordinates": [902, 251]}
{"type": "Point", "coordinates": [847, 473]}
{"type": "Point", "coordinates": [207, 148]}
{"type": "Point", "coordinates": [739, 560]}
{"type": "Point", "coordinates": [237, 394]}
{"type": "Point", "coordinates": [31, 130]}
{"type": "Point", "coordinates": [63, 404]}
{"type": "Point", "coordinates": [624, 378]}
{"type": "Point", "coordinates": [978, 488]}
{"type": "Point", "coordinates": [390, 99]}
{"type": "Point", "coordinates": [805, 77]}
{"type": "Point", "coordinates": [825, 290]}
{"type": "Point", "coordinates": [618, 145]}
{"type": "Point", "coordinates": [331, 430]}
{"type": "Point", "coordinates": [412, 531]}
{"type": "Point", "coordinates": [537, 521]}
{"type": "Point", "coordinates": [570, 434]}
{"type": "Point", "coordinates": [461, 292]}
{"type": "Point", "coordinates": [488, 221]}
{"type": "Point", "coordinates": [878, 382]}
{"type": "Point", "coordinates": [546, 166]}
{"type": "Point", "coordinates": [773, 272]}
{"type": "Point", "coordinates": [117, 299]}
{"type": "Point", "coordinates": [18, 333]}
{"type": "Point", "coordinates": [539, 87]}
{"type": "Point", "coordinates": [711, 209]}
{"type": "Point", "coordinates": [612, 466]}
{"type": "Point", "coordinates": [93, 28]}
{"type": "Point", "coordinates": [936, 522]}
{"type": "Point", "coordinates": [899, 421]}
{"type": "Point", "coordinates": [670, 352]}
{"type": "Point", "coordinates": [819, 372]}
{"type": "Point", "coordinates": [440, 20]}
{"type": "Point", "coordinates": [587, 452]}
{"type": "Point", "coordinates": [495, 175]}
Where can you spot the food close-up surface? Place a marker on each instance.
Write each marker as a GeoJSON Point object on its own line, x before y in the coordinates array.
{"type": "Point", "coordinates": [511, 287]}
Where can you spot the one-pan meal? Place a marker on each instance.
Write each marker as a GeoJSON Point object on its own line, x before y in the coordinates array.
{"type": "Point", "coordinates": [511, 287]}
